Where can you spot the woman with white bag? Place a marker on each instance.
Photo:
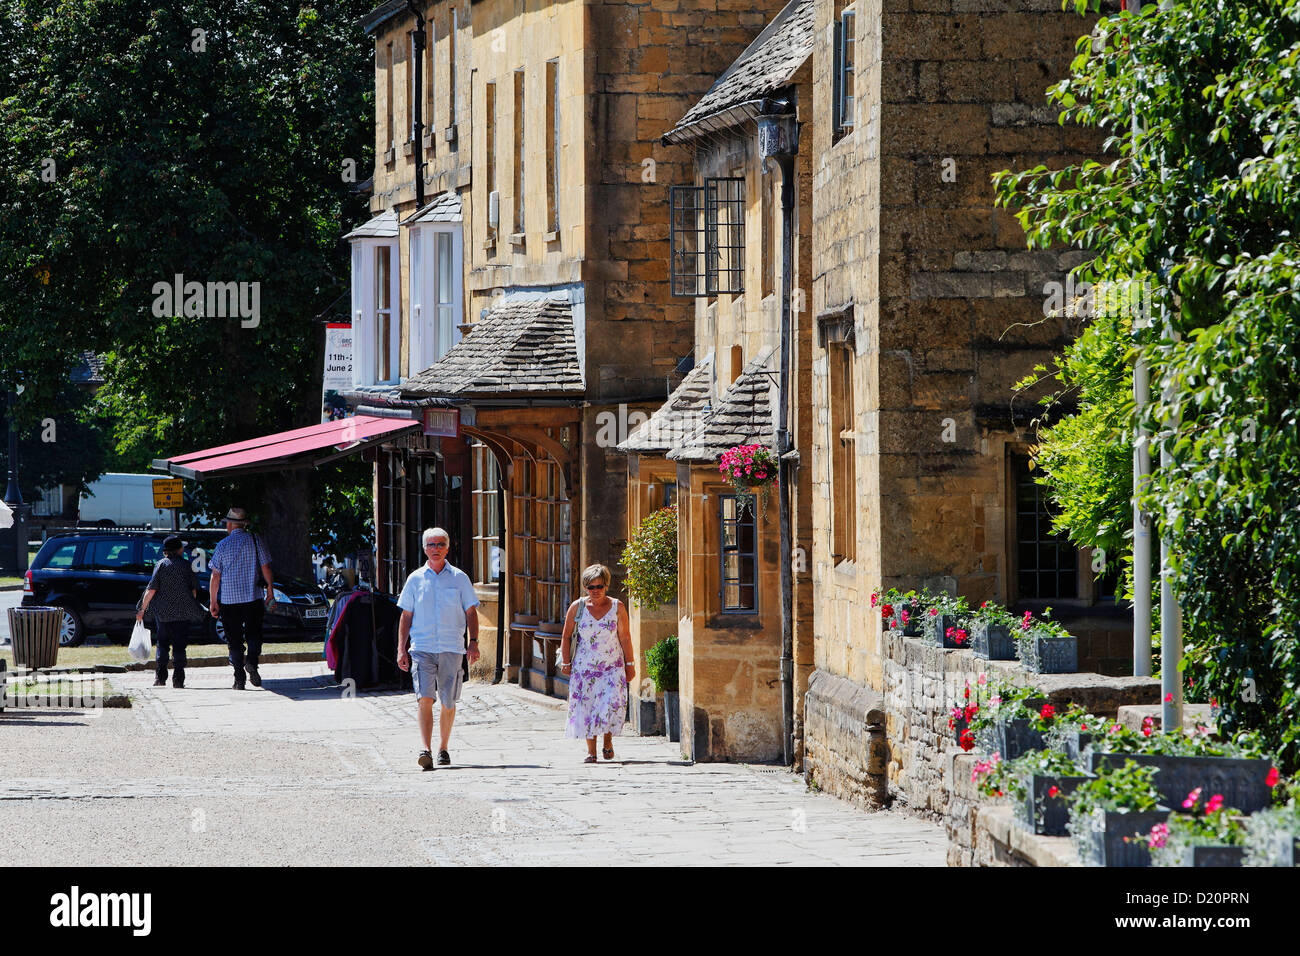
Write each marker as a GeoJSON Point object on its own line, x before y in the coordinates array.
{"type": "Point", "coordinates": [172, 591]}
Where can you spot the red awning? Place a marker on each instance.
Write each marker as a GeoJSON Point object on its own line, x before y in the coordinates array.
{"type": "Point", "coordinates": [298, 448]}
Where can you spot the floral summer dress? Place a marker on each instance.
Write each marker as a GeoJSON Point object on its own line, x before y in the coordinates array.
{"type": "Point", "coordinates": [597, 684]}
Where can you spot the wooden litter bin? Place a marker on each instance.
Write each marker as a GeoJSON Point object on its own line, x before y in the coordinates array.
{"type": "Point", "coordinates": [34, 632]}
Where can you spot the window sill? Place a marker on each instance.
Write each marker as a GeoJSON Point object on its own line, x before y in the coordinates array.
{"type": "Point", "coordinates": [489, 244]}
{"type": "Point", "coordinates": [517, 239]}
{"type": "Point", "coordinates": [553, 236]}
{"type": "Point", "coordinates": [390, 157]}
{"type": "Point", "coordinates": [734, 621]}
{"type": "Point", "coordinates": [847, 567]}
{"type": "Point", "coordinates": [428, 140]}
{"type": "Point", "coordinates": [408, 148]}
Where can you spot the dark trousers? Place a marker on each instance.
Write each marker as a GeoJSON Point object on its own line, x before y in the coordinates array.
{"type": "Point", "coordinates": [173, 636]}
{"type": "Point", "coordinates": [243, 622]}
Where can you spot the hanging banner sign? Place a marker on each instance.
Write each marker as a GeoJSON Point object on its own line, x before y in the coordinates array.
{"type": "Point", "coordinates": [338, 372]}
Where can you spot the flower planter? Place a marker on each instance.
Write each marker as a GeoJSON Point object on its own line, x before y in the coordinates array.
{"type": "Point", "coordinates": [1052, 655]}
{"type": "Point", "coordinates": [915, 624]}
{"type": "Point", "coordinates": [936, 631]}
{"type": "Point", "coordinates": [1100, 838]}
{"type": "Point", "coordinates": [1075, 742]}
{"type": "Point", "coordinates": [672, 715]}
{"type": "Point", "coordinates": [1043, 814]}
{"type": "Point", "coordinates": [1013, 738]}
{"type": "Point", "coordinates": [1240, 781]}
{"type": "Point", "coordinates": [992, 642]}
{"type": "Point", "coordinates": [1213, 856]}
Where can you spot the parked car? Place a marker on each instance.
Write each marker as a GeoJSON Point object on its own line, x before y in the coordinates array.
{"type": "Point", "coordinates": [98, 577]}
{"type": "Point", "coordinates": [121, 500]}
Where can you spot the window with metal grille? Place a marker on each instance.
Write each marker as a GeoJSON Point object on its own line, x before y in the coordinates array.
{"type": "Point", "coordinates": [739, 554]}
{"type": "Point", "coordinates": [707, 237]}
{"type": "Point", "coordinates": [1047, 564]}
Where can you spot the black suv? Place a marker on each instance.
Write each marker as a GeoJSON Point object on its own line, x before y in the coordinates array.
{"type": "Point", "coordinates": [98, 577]}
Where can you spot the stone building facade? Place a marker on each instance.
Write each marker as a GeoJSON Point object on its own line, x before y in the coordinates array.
{"type": "Point", "coordinates": [727, 257]}
{"type": "Point", "coordinates": [927, 310]}
{"type": "Point", "coordinates": [544, 234]}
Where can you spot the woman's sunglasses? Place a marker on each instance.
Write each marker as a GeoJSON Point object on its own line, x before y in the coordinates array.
{"type": "Point", "coordinates": [594, 587]}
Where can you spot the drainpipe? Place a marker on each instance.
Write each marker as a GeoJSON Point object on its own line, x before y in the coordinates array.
{"type": "Point", "coordinates": [417, 129]}
{"type": "Point", "coordinates": [778, 144]}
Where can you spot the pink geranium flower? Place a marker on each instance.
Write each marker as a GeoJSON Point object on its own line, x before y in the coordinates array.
{"type": "Point", "coordinates": [1272, 777]}
{"type": "Point", "coordinates": [1215, 803]}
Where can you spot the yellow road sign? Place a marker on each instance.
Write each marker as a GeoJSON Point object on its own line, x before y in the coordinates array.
{"type": "Point", "coordinates": [167, 493]}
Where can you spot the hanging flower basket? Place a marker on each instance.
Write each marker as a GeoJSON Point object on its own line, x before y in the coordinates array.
{"type": "Point", "coordinates": [751, 469]}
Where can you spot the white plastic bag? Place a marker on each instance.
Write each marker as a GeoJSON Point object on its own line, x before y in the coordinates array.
{"type": "Point", "coordinates": [141, 648]}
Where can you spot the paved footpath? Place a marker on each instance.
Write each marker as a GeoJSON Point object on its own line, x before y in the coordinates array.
{"type": "Point", "coordinates": [301, 772]}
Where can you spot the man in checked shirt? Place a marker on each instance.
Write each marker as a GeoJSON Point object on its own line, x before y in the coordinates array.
{"type": "Point", "coordinates": [239, 566]}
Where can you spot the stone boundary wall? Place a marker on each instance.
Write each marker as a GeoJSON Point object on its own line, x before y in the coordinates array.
{"type": "Point", "coordinates": [896, 749]}
{"type": "Point", "coordinates": [844, 739]}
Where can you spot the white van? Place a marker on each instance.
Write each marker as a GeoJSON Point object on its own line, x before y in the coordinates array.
{"type": "Point", "coordinates": [122, 501]}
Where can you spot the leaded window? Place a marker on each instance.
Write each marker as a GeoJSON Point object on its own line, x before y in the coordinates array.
{"type": "Point", "coordinates": [739, 555]}
{"type": "Point", "coordinates": [707, 237]}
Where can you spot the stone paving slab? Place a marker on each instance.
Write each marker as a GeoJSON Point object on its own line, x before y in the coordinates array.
{"type": "Point", "coordinates": [298, 771]}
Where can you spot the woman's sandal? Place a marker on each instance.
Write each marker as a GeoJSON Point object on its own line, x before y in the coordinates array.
{"type": "Point", "coordinates": [590, 758]}
{"type": "Point", "coordinates": [608, 753]}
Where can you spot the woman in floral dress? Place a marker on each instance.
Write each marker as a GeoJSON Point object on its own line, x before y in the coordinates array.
{"type": "Point", "coordinates": [599, 662]}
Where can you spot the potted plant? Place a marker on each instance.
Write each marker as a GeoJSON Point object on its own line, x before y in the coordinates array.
{"type": "Point", "coordinates": [1239, 771]}
{"type": "Point", "coordinates": [961, 718]}
{"type": "Point", "coordinates": [1074, 730]}
{"type": "Point", "coordinates": [991, 630]}
{"type": "Point", "coordinates": [750, 469]}
{"type": "Point", "coordinates": [947, 622]}
{"type": "Point", "coordinates": [1273, 836]}
{"type": "Point", "coordinates": [1111, 816]}
{"type": "Point", "coordinates": [1040, 782]}
{"type": "Point", "coordinates": [661, 667]}
{"type": "Point", "coordinates": [1011, 722]}
{"type": "Point", "coordinates": [902, 610]}
{"type": "Point", "coordinates": [1045, 647]}
{"type": "Point", "coordinates": [1208, 834]}
{"type": "Point", "coordinates": [651, 559]}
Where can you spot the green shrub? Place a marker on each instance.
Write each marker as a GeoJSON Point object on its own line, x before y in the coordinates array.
{"type": "Point", "coordinates": [661, 664]}
{"type": "Point", "coordinates": [651, 559]}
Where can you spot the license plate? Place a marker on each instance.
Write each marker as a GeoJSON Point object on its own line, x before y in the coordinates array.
{"type": "Point", "coordinates": [316, 612]}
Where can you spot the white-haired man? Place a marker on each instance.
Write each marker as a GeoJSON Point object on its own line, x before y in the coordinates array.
{"type": "Point", "coordinates": [438, 603]}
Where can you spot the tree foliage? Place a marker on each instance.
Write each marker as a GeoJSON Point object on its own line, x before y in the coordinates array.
{"type": "Point", "coordinates": [205, 139]}
{"type": "Point", "coordinates": [1200, 200]}
{"type": "Point", "coordinates": [651, 559]}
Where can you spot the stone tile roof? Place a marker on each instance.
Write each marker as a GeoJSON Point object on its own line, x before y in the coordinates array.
{"type": "Point", "coordinates": [524, 346]}
{"type": "Point", "coordinates": [444, 207]}
{"type": "Point", "coordinates": [677, 418]}
{"type": "Point", "coordinates": [767, 65]}
{"type": "Point", "coordinates": [743, 416]}
{"type": "Point", "coordinates": [383, 226]}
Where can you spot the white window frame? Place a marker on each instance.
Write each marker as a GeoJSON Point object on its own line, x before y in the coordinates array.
{"type": "Point", "coordinates": [365, 365]}
{"type": "Point", "coordinates": [846, 38]}
{"type": "Point", "coordinates": [436, 312]}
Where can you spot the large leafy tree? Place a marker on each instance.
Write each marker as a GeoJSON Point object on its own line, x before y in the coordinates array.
{"type": "Point", "coordinates": [198, 138]}
{"type": "Point", "coordinates": [1203, 104]}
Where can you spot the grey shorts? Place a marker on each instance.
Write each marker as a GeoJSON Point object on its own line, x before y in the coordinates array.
{"type": "Point", "coordinates": [437, 673]}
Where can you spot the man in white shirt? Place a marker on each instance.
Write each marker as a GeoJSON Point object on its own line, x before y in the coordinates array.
{"type": "Point", "coordinates": [438, 603]}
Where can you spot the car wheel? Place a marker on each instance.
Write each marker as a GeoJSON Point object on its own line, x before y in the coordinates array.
{"type": "Point", "coordinates": [216, 631]}
{"type": "Point", "coordinates": [72, 630]}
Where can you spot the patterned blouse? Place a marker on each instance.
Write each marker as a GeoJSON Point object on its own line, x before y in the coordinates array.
{"type": "Point", "coordinates": [173, 580]}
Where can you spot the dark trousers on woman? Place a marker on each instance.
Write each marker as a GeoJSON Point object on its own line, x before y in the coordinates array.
{"type": "Point", "coordinates": [243, 622]}
{"type": "Point", "coordinates": [173, 635]}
